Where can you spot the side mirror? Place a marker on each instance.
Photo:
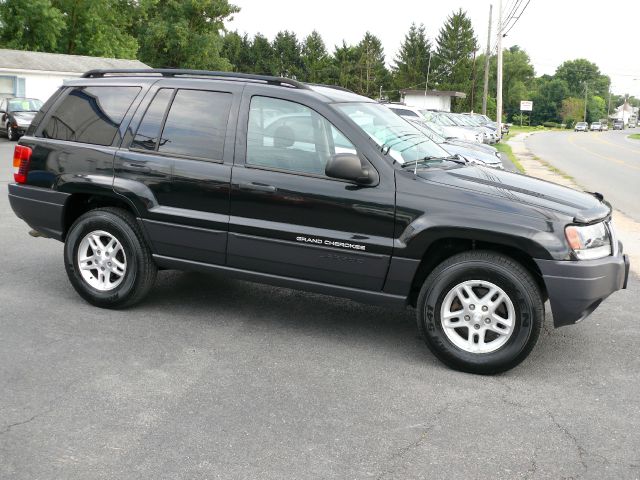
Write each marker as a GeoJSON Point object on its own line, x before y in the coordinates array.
{"type": "Point", "coordinates": [347, 166]}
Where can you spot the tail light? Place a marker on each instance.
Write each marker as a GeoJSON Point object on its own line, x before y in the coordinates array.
{"type": "Point", "coordinates": [21, 161]}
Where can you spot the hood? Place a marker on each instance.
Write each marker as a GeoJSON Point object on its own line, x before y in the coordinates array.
{"type": "Point", "coordinates": [24, 117]}
{"type": "Point", "coordinates": [581, 207]}
{"type": "Point", "coordinates": [482, 147]}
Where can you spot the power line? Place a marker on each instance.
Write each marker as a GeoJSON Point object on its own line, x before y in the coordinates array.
{"type": "Point", "coordinates": [517, 18]}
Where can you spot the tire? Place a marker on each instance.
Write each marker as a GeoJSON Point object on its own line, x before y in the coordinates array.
{"type": "Point", "coordinates": [128, 268]}
{"type": "Point", "coordinates": [522, 312]}
{"type": "Point", "coordinates": [10, 133]}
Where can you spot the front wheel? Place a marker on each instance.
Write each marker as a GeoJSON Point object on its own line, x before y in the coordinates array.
{"type": "Point", "coordinates": [107, 260]}
{"type": "Point", "coordinates": [480, 312]}
{"type": "Point", "coordinates": [11, 134]}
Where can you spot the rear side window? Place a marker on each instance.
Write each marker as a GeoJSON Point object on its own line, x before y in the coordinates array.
{"type": "Point", "coordinates": [90, 114]}
{"type": "Point", "coordinates": [149, 130]}
{"type": "Point", "coordinates": [196, 124]}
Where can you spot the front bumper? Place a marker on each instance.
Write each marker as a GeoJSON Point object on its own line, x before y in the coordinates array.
{"type": "Point", "coordinates": [576, 288]}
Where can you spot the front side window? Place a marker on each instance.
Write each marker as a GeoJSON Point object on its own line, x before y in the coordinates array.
{"type": "Point", "coordinates": [90, 114]}
{"type": "Point", "coordinates": [148, 134]}
{"type": "Point", "coordinates": [289, 136]}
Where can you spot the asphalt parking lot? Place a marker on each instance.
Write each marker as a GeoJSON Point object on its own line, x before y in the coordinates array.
{"type": "Point", "coordinates": [216, 378]}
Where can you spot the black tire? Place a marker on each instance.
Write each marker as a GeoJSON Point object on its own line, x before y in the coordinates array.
{"type": "Point", "coordinates": [10, 134]}
{"type": "Point", "coordinates": [501, 271]}
{"type": "Point", "coordinates": [140, 273]}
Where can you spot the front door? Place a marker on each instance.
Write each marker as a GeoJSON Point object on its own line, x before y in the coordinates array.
{"type": "Point", "coordinates": [287, 217]}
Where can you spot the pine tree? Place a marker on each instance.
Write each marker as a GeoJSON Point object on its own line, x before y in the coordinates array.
{"type": "Point", "coordinates": [412, 62]}
{"type": "Point", "coordinates": [261, 56]}
{"type": "Point", "coordinates": [315, 61]}
{"type": "Point", "coordinates": [372, 72]}
{"type": "Point", "coordinates": [345, 60]}
{"type": "Point", "coordinates": [286, 55]}
{"type": "Point", "coordinates": [453, 62]}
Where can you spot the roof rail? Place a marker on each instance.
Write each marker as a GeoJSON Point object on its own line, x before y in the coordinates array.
{"type": "Point", "coordinates": [176, 72]}
{"type": "Point", "coordinates": [335, 87]}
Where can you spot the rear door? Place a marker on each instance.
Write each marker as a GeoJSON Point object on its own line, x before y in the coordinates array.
{"type": "Point", "coordinates": [287, 217]}
{"type": "Point", "coordinates": [179, 155]}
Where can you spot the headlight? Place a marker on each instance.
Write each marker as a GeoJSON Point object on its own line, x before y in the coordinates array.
{"type": "Point", "coordinates": [589, 242]}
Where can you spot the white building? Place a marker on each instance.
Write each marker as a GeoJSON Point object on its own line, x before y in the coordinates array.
{"type": "Point", "coordinates": [624, 112]}
{"type": "Point", "coordinates": [430, 99]}
{"type": "Point", "coordinates": [39, 74]}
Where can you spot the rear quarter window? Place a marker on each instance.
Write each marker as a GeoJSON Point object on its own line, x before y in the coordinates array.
{"type": "Point", "coordinates": [90, 114]}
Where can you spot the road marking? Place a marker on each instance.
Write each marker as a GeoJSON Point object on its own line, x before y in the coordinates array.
{"type": "Point", "coordinates": [610, 159]}
{"type": "Point", "coordinates": [601, 140]}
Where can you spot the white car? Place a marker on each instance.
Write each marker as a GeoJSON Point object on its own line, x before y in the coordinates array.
{"type": "Point", "coordinates": [581, 127]}
{"type": "Point", "coordinates": [596, 127]}
{"type": "Point", "coordinates": [450, 129]}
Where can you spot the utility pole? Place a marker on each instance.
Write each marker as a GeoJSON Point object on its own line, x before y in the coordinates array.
{"type": "Point", "coordinates": [473, 82]}
{"type": "Point", "coordinates": [499, 75]}
{"type": "Point", "coordinates": [586, 88]}
{"type": "Point", "coordinates": [426, 85]}
{"type": "Point", "coordinates": [486, 66]}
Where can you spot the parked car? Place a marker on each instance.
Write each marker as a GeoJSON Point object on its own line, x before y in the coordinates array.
{"type": "Point", "coordinates": [142, 170]}
{"type": "Point", "coordinates": [454, 148]}
{"type": "Point", "coordinates": [618, 125]}
{"type": "Point", "coordinates": [581, 127]}
{"type": "Point", "coordinates": [596, 127]}
{"type": "Point", "coordinates": [452, 130]}
{"type": "Point", "coordinates": [604, 126]}
{"type": "Point", "coordinates": [16, 114]}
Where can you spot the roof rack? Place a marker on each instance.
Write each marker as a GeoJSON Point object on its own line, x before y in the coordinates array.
{"type": "Point", "coordinates": [176, 72]}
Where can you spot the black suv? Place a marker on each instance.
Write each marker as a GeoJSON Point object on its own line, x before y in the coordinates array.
{"type": "Point", "coordinates": [311, 187]}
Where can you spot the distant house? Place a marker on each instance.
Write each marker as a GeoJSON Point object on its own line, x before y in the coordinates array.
{"type": "Point", "coordinates": [39, 74]}
{"type": "Point", "coordinates": [624, 113]}
{"type": "Point", "coordinates": [430, 99]}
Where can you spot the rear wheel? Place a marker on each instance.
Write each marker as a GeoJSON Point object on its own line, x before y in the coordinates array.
{"type": "Point", "coordinates": [480, 312]}
{"type": "Point", "coordinates": [107, 260]}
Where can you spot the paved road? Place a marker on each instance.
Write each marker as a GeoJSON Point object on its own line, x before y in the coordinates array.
{"type": "Point", "coordinates": [211, 378]}
{"type": "Point", "coordinates": [606, 162]}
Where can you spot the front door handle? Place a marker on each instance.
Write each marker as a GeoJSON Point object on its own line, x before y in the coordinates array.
{"type": "Point", "coordinates": [138, 166]}
{"type": "Point", "coordinates": [255, 186]}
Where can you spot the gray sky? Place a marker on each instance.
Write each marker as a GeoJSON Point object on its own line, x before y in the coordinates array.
{"type": "Point", "coordinates": [551, 31]}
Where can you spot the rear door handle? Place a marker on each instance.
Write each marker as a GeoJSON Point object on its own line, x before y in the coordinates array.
{"type": "Point", "coordinates": [255, 186]}
{"type": "Point", "coordinates": [139, 166]}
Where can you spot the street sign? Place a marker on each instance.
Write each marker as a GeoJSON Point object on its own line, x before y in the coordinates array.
{"type": "Point", "coordinates": [526, 105]}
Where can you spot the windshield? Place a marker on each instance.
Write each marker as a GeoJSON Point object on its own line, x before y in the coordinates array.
{"type": "Point", "coordinates": [24, 105]}
{"type": "Point", "coordinates": [428, 131]}
{"type": "Point", "coordinates": [444, 121]}
{"type": "Point", "coordinates": [395, 136]}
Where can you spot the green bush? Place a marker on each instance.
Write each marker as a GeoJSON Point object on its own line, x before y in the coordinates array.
{"type": "Point", "coordinates": [551, 124]}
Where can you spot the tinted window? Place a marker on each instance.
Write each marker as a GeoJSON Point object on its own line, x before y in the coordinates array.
{"type": "Point", "coordinates": [289, 136]}
{"type": "Point", "coordinates": [404, 112]}
{"type": "Point", "coordinates": [90, 114]}
{"type": "Point", "coordinates": [149, 130]}
{"type": "Point", "coordinates": [197, 124]}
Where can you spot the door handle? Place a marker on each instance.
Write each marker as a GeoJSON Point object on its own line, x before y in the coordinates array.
{"type": "Point", "coordinates": [259, 187]}
{"type": "Point", "coordinates": [140, 166]}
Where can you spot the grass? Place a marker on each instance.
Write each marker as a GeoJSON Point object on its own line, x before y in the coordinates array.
{"type": "Point", "coordinates": [635, 136]}
{"type": "Point", "coordinates": [555, 170]}
{"type": "Point", "coordinates": [506, 149]}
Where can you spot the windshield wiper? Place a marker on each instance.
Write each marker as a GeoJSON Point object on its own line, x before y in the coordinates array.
{"type": "Point", "coordinates": [433, 158]}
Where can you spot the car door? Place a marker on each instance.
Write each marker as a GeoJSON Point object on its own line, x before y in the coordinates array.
{"type": "Point", "coordinates": [182, 152]}
{"type": "Point", "coordinates": [289, 219]}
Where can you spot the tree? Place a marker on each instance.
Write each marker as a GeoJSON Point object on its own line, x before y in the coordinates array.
{"type": "Point", "coordinates": [579, 72]}
{"type": "Point", "coordinates": [184, 34]}
{"type": "Point", "coordinates": [455, 50]}
{"type": "Point", "coordinates": [547, 100]}
{"type": "Point", "coordinates": [97, 28]}
{"type": "Point", "coordinates": [237, 49]}
{"type": "Point", "coordinates": [286, 55]}
{"type": "Point", "coordinates": [412, 63]}
{"type": "Point", "coordinates": [372, 72]}
{"type": "Point", "coordinates": [572, 110]}
{"type": "Point", "coordinates": [344, 71]}
{"type": "Point", "coordinates": [261, 56]}
{"type": "Point", "coordinates": [315, 61]}
{"type": "Point", "coordinates": [596, 108]}
{"type": "Point", "coordinates": [30, 25]}
{"type": "Point", "coordinates": [518, 74]}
